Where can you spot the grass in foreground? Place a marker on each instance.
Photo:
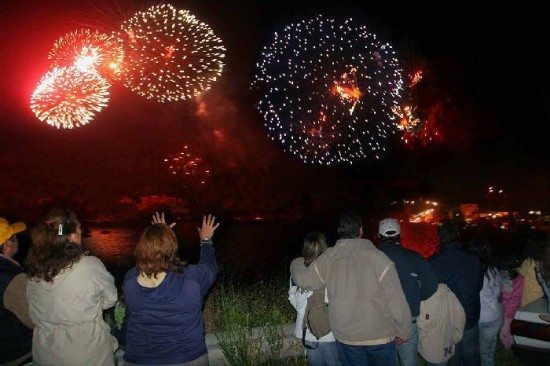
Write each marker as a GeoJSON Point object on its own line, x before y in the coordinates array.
{"type": "Point", "coordinates": [238, 308]}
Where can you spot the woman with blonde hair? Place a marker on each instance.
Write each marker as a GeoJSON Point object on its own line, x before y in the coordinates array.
{"type": "Point", "coordinates": [164, 298]}
{"type": "Point", "coordinates": [319, 351]}
{"type": "Point", "coordinates": [67, 292]}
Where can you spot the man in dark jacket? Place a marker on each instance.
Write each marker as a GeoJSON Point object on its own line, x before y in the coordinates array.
{"type": "Point", "coordinates": [463, 274]}
{"type": "Point", "coordinates": [15, 323]}
{"type": "Point", "coordinates": [417, 278]}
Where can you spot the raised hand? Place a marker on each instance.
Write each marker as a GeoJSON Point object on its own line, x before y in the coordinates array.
{"type": "Point", "coordinates": [159, 219]}
{"type": "Point", "coordinates": [208, 227]}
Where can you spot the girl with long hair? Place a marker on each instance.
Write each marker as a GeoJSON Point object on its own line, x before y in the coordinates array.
{"type": "Point", "coordinates": [491, 313]}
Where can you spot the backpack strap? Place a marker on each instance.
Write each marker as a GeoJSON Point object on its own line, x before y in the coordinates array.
{"type": "Point", "coordinates": [317, 271]}
{"type": "Point", "coordinates": [304, 340]}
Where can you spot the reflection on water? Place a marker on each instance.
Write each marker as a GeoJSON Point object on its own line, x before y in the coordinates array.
{"type": "Point", "coordinates": [251, 249]}
{"type": "Point", "coordinates": [113, 246]}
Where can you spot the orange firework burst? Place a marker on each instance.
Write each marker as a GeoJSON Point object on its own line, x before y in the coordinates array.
{"type": "Point", "coordinates": [346, 88]}
{"type": "Point", "coordinates": [170, 55]}
{"type": "Point", "coordinates": [68, 97]}
{"type": "Point", "coordinates": [86, 49]}
{"type": "Point", "coordinates": [407, 120]}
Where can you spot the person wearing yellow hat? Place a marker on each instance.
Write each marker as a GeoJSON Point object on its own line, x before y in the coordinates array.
{"type": "Point", "coordinates": [15, 322]}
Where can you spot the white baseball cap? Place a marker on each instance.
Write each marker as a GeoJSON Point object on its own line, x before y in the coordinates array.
{"type": "Point", "coordinates": [389, 227]}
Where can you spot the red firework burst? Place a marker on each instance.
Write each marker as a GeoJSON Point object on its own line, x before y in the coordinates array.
{"type": "Point", "coordinates": [69, 97]}
{"type": "Point", "coordinates": [86, 49]}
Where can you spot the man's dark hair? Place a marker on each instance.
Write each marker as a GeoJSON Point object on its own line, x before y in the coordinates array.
{"type": "Point", "coordinates": [535, 246]}
{"type": "Point", "coordinates": [396, 239]}
{"type": "Point", "coordinates": [349, 226]}
{"type": "Point", "coordinates": [447, 231]}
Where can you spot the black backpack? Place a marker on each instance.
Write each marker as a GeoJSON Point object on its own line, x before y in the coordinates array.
{"type": "Point", "coordinates": [316, 317]}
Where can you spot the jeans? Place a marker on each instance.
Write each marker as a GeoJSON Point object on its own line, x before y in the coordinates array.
{"type": "Point", "coordinates": [379, 355]}
{"type": "Point", "coordinates": [325, 354]}
{"type": "Point", "coordinates": [408, 351]}
{"type": "Point", "coordinates": [467, 350]}
{"type": "Point", "coordinates": [488, 332]}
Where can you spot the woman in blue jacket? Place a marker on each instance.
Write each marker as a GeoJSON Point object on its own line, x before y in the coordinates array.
{"type": "Point", "coordinates": [164, 298]}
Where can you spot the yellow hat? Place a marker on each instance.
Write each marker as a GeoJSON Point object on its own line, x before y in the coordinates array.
{"type": "Point", "coordinates": [7, 230]}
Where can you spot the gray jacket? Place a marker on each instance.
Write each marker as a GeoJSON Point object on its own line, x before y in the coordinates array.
{"type": "Point", "coordinates": [367, 303]}
{"type": "Point", "coordinates": [68, 316]}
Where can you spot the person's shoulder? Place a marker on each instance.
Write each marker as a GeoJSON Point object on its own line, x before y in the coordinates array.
{"type": "Point", "coordinates": [89, 261]}
{"type": "Point", "coordinates": [364, 244]}
{"type": "Point", "coordinates": [132, 272]}
{"type": "Point", "coordinates": [472, 258]}
{"type": "Point", "coordinates": [189, 270]}
{"type": "Point", "coordinates": [407, 251]}
{"type": "Point", "coordinates": [380, 256]}
{"type": "Point", "coordinates": [415, 256]}
{"type": "Point", "coordinates": [434, 258]}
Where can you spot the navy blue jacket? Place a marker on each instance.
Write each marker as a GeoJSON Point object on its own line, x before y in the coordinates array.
{"type": "Point", "coordinates": [417, 278]}
{"type": "Point", "coordinates": [15, 337]}
{"type": "Point", "coordinates": [165, 324]}
{"type": "Point", "coordinates": [462, 273]}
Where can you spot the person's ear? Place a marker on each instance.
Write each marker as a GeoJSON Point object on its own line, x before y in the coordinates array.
{"type": "Point", "coordinates": [74, 238]}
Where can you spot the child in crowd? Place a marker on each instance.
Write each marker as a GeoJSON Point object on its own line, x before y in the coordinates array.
{"type": "Point", "coordinates": [491, 314]}
{"type": "Point", "coordinates": [512, 290]}
{"type": "Point", "coordinates": [534, 249]}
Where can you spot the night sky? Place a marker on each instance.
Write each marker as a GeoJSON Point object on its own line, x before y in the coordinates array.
{"type": "Point", "coordinates": [486, 65]}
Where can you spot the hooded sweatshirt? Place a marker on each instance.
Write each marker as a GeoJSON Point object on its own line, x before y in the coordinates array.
{"type": "Point", "coordinates": [165, 323]}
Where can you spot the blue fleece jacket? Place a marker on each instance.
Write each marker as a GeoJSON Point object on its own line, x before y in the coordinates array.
{"type": "Point", "coordinates": [417, 277]}
{"type": "Point", "coordinates": [165, 324]}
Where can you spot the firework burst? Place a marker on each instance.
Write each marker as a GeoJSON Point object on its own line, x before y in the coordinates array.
{"type": "Point", "coordinates": [69, 97]}
{"type": "Point", "coordinates": [170, 55]}
{"type": "Point", "coordinates": [328, 89]}
{"type": "Point", "coordinates": [89, 50]}
{"type": "Point", "coordinates": [189, 166]}
{"type": "Point", "coordinates": [408, 121]}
